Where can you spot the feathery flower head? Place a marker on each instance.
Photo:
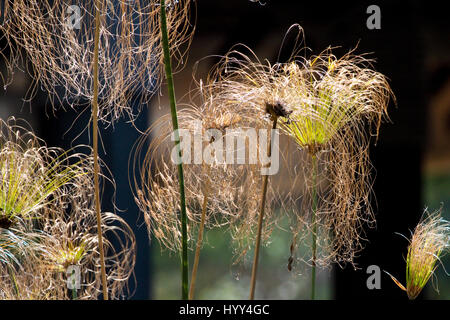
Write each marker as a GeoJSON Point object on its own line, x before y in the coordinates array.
{"type": "Point", "coordinates": [31, 174]}
{"type": "Point", "coordinates": [429, 242]}
{"type": "Point", "coordinates": [47, 202]}
{"type": "Point", "coordinates": [328, 94]}
{"type": "Point", "coordinates": [228, 187]}
{"type": "Point", "coordinates": [323, 104]}
{"type": "Point", "coordinates": [68, 255]}
{"type": "Point", "coordinates": [58, 37]}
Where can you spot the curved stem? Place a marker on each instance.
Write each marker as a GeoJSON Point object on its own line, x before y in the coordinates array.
{"type": "Point", "coordinates": [98, 5]}
{"type": "Point", "coordinates": [200, 239]}
{"type": "Point", "coordinates": [260, 221]}
{"type": "Point", "coordinates": [173, 111]}
{"type": "Point", "coordinates": [314, 226]}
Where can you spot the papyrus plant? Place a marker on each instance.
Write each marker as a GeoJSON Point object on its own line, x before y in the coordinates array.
{"type": "Point", "coordinates": [326, 105]}
{"type": "Point", "coordinates": [45, 238]}
{"type": "Point", "coordinates": [100, 52]}
{"type": "Point", "coordinates": [335, 99]}
{"type": "Point", "coordinates": [218, 193]}
{"type": "Point", "coordinates": [31, 174]}
{"type": "Point", "coordinates": [58, 38]}
{"type": "Point", "coordinates": [429, 242]}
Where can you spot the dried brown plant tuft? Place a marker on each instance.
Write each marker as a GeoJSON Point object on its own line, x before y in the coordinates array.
{"type": "Point", "coordinates": [324, 105]}
{"type": "Point", "coordinates": [62, 52]}
{"type": "Point", "coordinates": [47, 196]}
{"type": "Point", "coordinates": [232, 189]}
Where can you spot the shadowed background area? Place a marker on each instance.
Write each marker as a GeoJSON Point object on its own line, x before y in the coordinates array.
{"type": "Point", "coordinates": [411, 159]}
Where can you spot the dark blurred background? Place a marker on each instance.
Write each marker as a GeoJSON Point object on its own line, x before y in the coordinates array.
{"type": "Point", "coordinates": [412, 157]}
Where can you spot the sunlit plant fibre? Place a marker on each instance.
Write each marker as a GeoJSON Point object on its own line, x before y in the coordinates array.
{"type": "Point", "coordinates": [61, 56]}
{"type": "Point", "coordinates": [111, 55]}
{"type": "Point", "coordinates": [231, 201]}
{"type": "Point", "coordinates": [217, 194]}
{"type": "Point", "coordinates": [327, 103]}
{"type": "Point", "coordinates": [31, 174]}
{"type": "Point", "coordinates": [334, 101]}
{"type": "Point", "coordinates": [428, 244]}
{"type": "Point", "coordinates": [264, 116]}
{"type": "Point", "coordinates": [37, 248]}
{"type": "Point", "coordinates": [70, 239]}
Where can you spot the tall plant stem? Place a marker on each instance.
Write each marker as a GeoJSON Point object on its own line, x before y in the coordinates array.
{"type": "Point", "coordinates": [314, 227]}
{"type": "Point", "coordinates": [173, 111]}
{"type": "Point", "coordinates": [98, 5]}
{"type": "Point", "coordinates": [200, 237]}
{"type": "Point", "coordinates": [74, 290]}
{"type": "Point", "coordinates": [260, 220]}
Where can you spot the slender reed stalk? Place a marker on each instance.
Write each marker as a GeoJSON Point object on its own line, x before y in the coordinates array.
{"type": "Point", "coordinates": [314, 227]}
{"type": "Point", "coordinates": [261, 219]}
{"type": "Point", "coordinates": [74, 291]}
{"type": "Point", "coordinates": [98, 4]}
{"type": "Point", "coordinates": [173, 111]}
{"type": "Point", "coordinates": [200, 238]}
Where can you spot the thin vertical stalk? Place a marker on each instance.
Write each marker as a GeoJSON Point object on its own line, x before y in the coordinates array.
{"type": "Point", "coordinates": [261, 219]}
{"type": "Point", "coordinates": [98, 5]}
{"type": "Point", "coordinates": [173, 111]}
{"type": "Point", "coordinates": [200, 238]}
{"type": "Point", "coordinates": [314, 227]}
{"type": "Point", "coordinates": [74, 289]}
{"type": "Point", "coordinates": [74, 294]}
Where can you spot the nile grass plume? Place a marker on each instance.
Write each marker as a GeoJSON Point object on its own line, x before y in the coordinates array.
{"type": "Point", "coordinates": [31, 173]}
{"type": "Point", "coordinates": [58, 39]}
{"type": "Point", "coordinates": [46, 237]}
{"type": "Point", "coordinates": [326, 104]}
{"type": "Point", "coordinates": [70, 240]}
{"type": "Point", "coordinates": [218, 193]}
{"type": "Point", "coordinates": [157, 194]}
{"type": "Point", "coordinates": [333, 100]}
{"type": "Point", "coordinates": [240, 84]}
{"type": "Point", "coordinates": [430, 241]}
{"type": "Point", "coordinates": [104, 54]}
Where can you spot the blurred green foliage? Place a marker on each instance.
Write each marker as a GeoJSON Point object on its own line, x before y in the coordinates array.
{"type": "Point", "coordinates": [219, 278]}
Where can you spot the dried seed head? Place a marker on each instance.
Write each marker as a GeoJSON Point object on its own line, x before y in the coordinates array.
{"type": "Point", "coordinates": [326, 103]}
{"type": "Point", "coordinates": [232, 189]}
{"type": "Point", "coordinates": [31, 173]}
{"type": "Point", "coordinates": [58, 38]}
{"type": "Point", "coordinates": [49, 195]}
{"type": "Point", "coordinates": [330, 93]}
{"type": "Point", "coordinates": [278, 109]}
{"type": "Point", "coordinates": [430, 241]}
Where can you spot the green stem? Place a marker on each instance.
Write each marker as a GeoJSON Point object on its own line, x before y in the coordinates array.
{"type": "Point", "coordinates": [260, 221]}
{"type": "Point", "coordinates": [173, 110]}
{"type": "Point", "coordinates": [314, 226]}
{"type": "Point", "coordinates": [98, 5]}
{"type": "Point", "coordinates": [74, 290]}
{"type": "Point", "coordinates": [74, 294]}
